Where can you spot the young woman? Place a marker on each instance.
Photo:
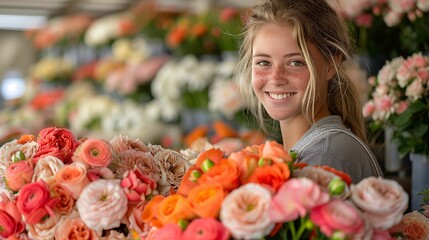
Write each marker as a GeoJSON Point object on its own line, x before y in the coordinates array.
{"type": "Point", "coordinates": [291, 70]}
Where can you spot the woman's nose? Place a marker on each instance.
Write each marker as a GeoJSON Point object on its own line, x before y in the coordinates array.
{"type": "Point", "coordinates": [279, 74]}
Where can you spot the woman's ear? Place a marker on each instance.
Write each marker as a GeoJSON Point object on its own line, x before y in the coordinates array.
{"type": "Point", "coordinates": [333, 66]}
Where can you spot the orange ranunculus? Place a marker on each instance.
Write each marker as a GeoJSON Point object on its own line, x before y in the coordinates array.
{"type": "Point", "coordinates": [199, 29]}
{"type": "Point", "coordinates": [149, 211]}
{"type": "Point", "coordinates": [226, 173]}
{"type": "Point", "coordinates": [176, 36]}
{"type": "Point", "coordinates": [187, 184]}
{"type": "Point", "coordinates": [196, 133]}
{"type": "Point", "coordinates": [247, 163]}
{"type": "Point", "coordinates": [26, 138]}
{"type": "Point", "coordinates": [222, 130]}
{"type": "Point", "coordinates": [275, 151]}
{"type": "Point", "coordinates": [206, 199]}
{"type": "Point", "coordinates": [214, 154]}
{"type": "Point", "coordinates": [174, 208]}
{"type": "Point", "coordinates": [346, 178]}
{"type": "Point", "coordinates": [271, 175]}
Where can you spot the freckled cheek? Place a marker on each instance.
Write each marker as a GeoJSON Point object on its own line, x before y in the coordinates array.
{"type": "Point", "coordinates": [258, 79]}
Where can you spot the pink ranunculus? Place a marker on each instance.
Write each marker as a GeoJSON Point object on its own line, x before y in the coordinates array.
{"type": "Point", "coordinates": [34, 202]}
{"type": "Point", "coordinates": [58, 142]}
{"type": "Point", "coordinates": [368, 109]}
{"type": "Point", "coordinates": [382, 201]}
{"type": "Point", "coordinates": [205, 229]}
{"type": "Point", "coordinates": [137, 186]}
{"type": "Point", "coordinates": [244, 212]}
{"type": "Point", "coordinates": [102, 204]}
{"type": "Point", "coordinates": [338, 215]}
{"type": "Point", "coordinates": [75, 229]}
{"type": "Point", "coordinates": [73, 177]}
{"type": "Point", "coordinates": [94, 153]}
{"type": "Point", "coordinates": [285, 206]}
{"type": "Point", "coordinates": [18, 174]}
{"type": "Point", "coordinates": [168, 232]}
{"type": "Point", "coordinates": [10, 219]}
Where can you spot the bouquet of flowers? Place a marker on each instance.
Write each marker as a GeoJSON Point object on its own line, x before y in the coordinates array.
{"type": "Point", "coordinates": [58, 187]}
{"type": "Point", "coordinates": [400, 98]}
{"type": "Point", "coordinates": [260, 193]}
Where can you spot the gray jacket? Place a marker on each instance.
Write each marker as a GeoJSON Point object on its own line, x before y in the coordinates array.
{"type": "Point", "coordinates": [329, 142]}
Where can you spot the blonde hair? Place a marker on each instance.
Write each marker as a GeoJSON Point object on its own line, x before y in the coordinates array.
{"type": "Point", "coordinates": [316, 22]}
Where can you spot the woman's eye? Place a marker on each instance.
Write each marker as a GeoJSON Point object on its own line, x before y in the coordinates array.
{"type": "Point", "coordinates": [296, 63]}
{"type": "Point", "coordinates": [263, 63]}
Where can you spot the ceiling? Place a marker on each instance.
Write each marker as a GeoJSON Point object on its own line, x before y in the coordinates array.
{"type": "Point", "coordinates": [24, 14]}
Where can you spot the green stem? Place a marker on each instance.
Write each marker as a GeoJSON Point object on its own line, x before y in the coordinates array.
{"type": "Point", "coordinates": [292, 229]}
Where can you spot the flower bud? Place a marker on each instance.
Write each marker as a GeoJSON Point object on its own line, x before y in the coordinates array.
{"type": "Point", "coordinates": [309, 224]}
{"type": "Point", "coordinates": [18, 156]}
{"type": "Point", "coordinates": [338, 235]}
{"type": "Point", "coordinates": [207, 164]}
{"type": "Point", "coordinates": [293, 155]}
{"type": "Point", "coordinates": [195, 175]}
{"type": "Point", "coordinates": [336, 186]}
{"type": "Point", "coordinates": [183, 224]}
{"type": "Point", "coordinates": [264, 161]}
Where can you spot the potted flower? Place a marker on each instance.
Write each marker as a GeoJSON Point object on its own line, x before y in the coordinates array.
{"type": "Point", "coordinates": [401, 98]}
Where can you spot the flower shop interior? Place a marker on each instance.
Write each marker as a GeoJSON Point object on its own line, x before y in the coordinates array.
{"type": "Point", "coordinates": [107, 68]}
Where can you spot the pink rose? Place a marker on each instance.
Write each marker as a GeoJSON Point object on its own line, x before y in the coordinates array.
{"type": "Point", "coordinates": [415, 90]}
{"type": "Point", "coordinates": [402, 107]}
{"type": "Point", "coordinates": [94, 152]}
{"type": "Point", "coordinates": [382, 201]}
{"type": "Point", "coordinates": [34, 202]}
{"type": "Point", "coordinates": [57, 142]}
{"type": "Point", "coordinates": [338, 215]}
{"type": "Point", "coordinates": [18, 174]}
{"type": "Point", "coordinates": [10, 219]}
{"type": "Point", "coordinates": [137, 186]}
{"type": "Point", "coordinates": [73, 177]}
{"type": "Point", "coordinates": [205, 229]}
{"type": "Point", "coordinates": [74, 229]}
{"type": "Point", "coordinates": [306, 195]}
{"type": "Point", "coordinates": [244, 212]}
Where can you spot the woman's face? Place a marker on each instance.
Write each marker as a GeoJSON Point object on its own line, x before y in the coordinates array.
{"type": "Point", "coordinates": [280, 74]}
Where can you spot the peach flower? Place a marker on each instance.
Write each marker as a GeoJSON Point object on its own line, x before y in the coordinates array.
{"type": "Point", "coordinates": [174, 208]}
{"type": "Point", "coordinates": [206, 199]}
{"type": "Point", "coordinates": [66, 203]}
{"type": "Point", "coordinates": [18, 174]}
{"type": "Point", "coordinates": [415, 226]}
{"type": "Point", "coordinates": [45, 229]}
{"type": "Point", "coordinates": [382, 201]}
{"type": "Point", "coordinates": [73, 177]}
{"type": "Point", "coordinates": [94, 153]}
{"type": "Point", "coordinates": [74, 229]}
{"type": "Point", "coordinates": [244, 212]}
{"type": "Point", "coordinates": [102, 204]}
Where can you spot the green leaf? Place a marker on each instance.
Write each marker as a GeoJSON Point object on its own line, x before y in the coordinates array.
{"type": "Point", "coordinates": [403, 119]}
{"type": "Point", "coordinates": [416, 107]}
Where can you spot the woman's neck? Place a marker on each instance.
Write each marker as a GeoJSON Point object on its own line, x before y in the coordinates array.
{"type": "Point", "coordinates": [292, 130]}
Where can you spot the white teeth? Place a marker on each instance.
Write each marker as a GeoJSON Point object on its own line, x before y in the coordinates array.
{"type": "Point", "coordinates": [281, 96]}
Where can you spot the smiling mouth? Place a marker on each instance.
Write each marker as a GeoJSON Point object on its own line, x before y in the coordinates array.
{"type": "Point", "coordinates": [281, 96]}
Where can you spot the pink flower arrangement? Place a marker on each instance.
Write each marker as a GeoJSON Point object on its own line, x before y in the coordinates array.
{"type": "Point", "coordinates": [55, 186]}
{"type": "Point", "coordinates": [400, 98]}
